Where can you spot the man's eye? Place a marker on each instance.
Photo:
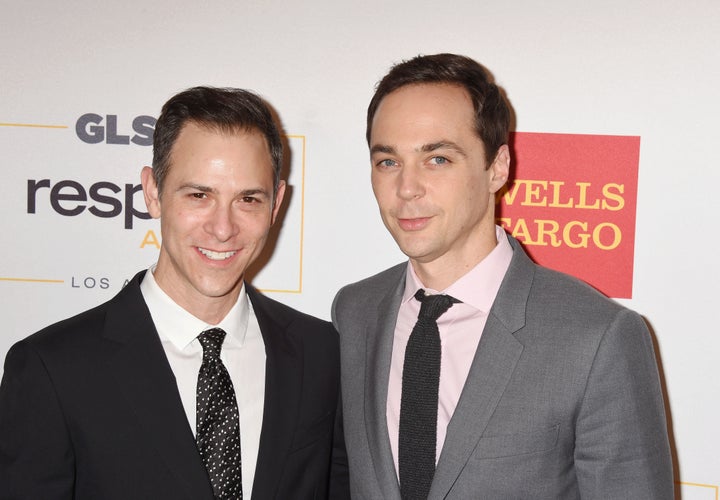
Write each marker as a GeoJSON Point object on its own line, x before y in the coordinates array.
{"type": "Point", "coordinates": [439, 160]}
{"type": "Point", "coordinates": [199, 196]}
{"type": "Point", "coordinates": [249, 199]}
{"type": "Point", "coordinates": [386, 163]}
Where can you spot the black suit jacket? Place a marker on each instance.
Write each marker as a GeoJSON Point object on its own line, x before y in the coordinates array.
{"type": "Point", "coordinates": [89, 409]}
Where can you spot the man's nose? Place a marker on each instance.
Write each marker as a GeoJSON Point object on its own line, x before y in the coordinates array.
{"type": "Point", "coordinates": [222, 223]}
{"type": "Point", "coordinates": [410, 183]}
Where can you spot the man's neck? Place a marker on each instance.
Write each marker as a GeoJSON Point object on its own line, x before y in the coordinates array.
{"type": "Point", "coordinates": [211, 310]}
{"type": "Point", "coordinates": [440, 273]}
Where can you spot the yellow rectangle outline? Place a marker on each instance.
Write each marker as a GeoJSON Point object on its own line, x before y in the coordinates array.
{"type": "Point", "coordinates": [32, 280]}
{"type": "Point", "coordinates": [302, 222]}
{"type": "Point", "coordinates": [709, 486]}
{"type": "Point", "coordinates": [31, 125]}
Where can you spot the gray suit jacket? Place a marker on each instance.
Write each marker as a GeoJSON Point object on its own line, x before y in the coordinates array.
{"type": "Point", "coordinates": [562, 401]}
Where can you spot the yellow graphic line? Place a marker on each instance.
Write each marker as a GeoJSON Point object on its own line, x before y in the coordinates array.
{"type": "Point", "coordinates": [302, 217]}
{"type": "Point", "coordinates": [32, 280]}
{"type": "Point", "coordinates": [710, 486]}
{"type": "Point", "coordinates": [31, 125]}
{"type": "Point", "coordinates": [271, 290]}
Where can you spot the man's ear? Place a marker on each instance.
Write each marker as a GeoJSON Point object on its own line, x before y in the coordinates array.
{"type": "Point", "coordinates": [500, 169]}
{"type": "Point", "coordinates": [278, 201]}
{"type": "Point", "coordinates": [150, 192]}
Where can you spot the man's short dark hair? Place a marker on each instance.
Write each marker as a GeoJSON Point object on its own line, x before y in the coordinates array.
{"type": "Point", "coordinates": [492, 112]}
{"type": "Point", "coordinates": [225, 110]}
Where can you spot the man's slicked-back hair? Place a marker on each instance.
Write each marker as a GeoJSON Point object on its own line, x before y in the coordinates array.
{"type": "Point", "coordinates": [492, 112]}
{"type": "Point", "coordinates": [227, 110]}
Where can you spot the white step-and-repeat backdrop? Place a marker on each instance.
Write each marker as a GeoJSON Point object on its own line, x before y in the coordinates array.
{"type": "Point", "coordinates": [616, 147]}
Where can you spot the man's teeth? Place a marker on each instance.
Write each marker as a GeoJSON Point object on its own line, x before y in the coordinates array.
{"type": "Point", "coordinates": [217, 255]}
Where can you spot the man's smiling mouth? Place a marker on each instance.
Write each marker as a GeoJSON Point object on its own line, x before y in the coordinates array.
{"type": "Point", "coordinates": [216, 255]}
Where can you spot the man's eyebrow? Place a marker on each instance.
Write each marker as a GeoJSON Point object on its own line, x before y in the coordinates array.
{"type": "Point", "coordinates": [254, 192]}
{"type": "Point", "coordinates": [196, 187]}
{"type": "Point", "coordinates": [425, 148]}
{"type": "Point", "coordinates": [434, 146]}
{"type": "Point", "coordinates": [207, 189]}
{"type": "Point", "coordinates": [382, 148]}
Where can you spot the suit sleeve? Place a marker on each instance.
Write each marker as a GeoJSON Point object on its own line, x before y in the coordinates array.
{"type": "Point", "coordinates": [36, 459]}
{"type": "Point", "coordinates": [339, 471]}
{"type": "Point", "coordinates": [622, 448]}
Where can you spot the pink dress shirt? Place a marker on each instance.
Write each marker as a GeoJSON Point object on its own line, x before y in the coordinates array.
{"type": "Point", "coordinates": [460, 330]}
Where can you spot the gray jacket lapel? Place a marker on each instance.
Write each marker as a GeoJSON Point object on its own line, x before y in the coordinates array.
{"type": "Point", "coordinates": [491, 370]}
{"type": "Point", "coordinates": [381, 330]}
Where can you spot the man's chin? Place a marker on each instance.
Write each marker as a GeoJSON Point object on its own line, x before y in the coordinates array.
{"type": "Point", "coordinates": [220, 290]}
{"type": "Point", "coordinates": [417, 254]}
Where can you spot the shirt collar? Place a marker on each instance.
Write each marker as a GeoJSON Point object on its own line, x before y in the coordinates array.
{"type": "Point", "coordinates": [180, 327]}
{"type": "Point", "coordinates": [479, 286]}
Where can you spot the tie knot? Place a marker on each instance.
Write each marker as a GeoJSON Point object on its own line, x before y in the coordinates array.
{"type": "Point", "coordinates": [211, 341]}
{"type": "Point", "coordinates": [434, 306]}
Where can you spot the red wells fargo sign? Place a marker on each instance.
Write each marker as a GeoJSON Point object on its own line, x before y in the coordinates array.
{"type": "Point", "coordinates": [571, 201]}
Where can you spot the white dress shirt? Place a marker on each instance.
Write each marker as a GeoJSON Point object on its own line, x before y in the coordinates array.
{"type": "Point", "coordinates": [243, 353]}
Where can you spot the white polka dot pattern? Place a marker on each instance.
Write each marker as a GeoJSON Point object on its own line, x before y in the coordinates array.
{"type": "Point", "coordinates": [218, 429]}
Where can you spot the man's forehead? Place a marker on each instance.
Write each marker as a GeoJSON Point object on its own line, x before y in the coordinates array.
{"type": "Point", "coordinates": [213, 128]}
{"type": "Point", "coordinates": [424, 119]}
{"type": "Point", "coordinates": [428, 147]}
{"type": "Point", "coordinates": [199, 148]}
{"type": "Point", "coordinates": [428, 93]}
{"type": "Point", "coordinates": [417, 105]}
{"type": "Point", "coordinates": [196, 136]}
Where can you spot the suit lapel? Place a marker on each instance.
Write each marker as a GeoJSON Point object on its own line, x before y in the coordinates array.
{"type": "Point", "coordinates": [145, 378]}
{"type": "Point", "coordinates": [380, 333]}
{"type": "Point", "coordinates": [283, 384]}
{"type": "Point", "coordinates": [492, 368]}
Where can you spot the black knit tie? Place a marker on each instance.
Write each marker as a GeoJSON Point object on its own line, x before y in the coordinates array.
{"type": "Point", "coordinates": [218, 428]}
{"type": "Point", "coordinates": [419, 400]}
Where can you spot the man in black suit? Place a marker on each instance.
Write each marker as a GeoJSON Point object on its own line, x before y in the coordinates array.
{"type": "Point", "coordinates": [109, 404]}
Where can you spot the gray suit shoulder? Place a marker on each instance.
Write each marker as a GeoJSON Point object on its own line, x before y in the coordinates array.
{"type": "Point", "coordinates": [374, 285]}
{"type": "Point", "coordinates": [545, 300]}
{"type": "Point", "coordinates": [566, 311]}
{"type": "Point", "coordinates": [556, 290]}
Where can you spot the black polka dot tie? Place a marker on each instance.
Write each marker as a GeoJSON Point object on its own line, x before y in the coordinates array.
{"type": "Point", "coordinates": [218, 428]}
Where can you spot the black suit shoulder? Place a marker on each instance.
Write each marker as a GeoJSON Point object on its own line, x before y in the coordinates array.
{"type": "Point", "coordinates": [70, 333]}
{"type": "Point", "coordinates": [75, 335]}
{"type": "Point", "coordinates": [91, 401]}
{"type": "Point", "coordinates": [290, 320]}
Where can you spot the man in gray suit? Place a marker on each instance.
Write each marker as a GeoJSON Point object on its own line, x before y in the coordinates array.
{"type": "Point", "coordinates": [517, 382]}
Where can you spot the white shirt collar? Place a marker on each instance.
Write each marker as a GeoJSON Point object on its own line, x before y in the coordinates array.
{"type": "Point", "coordinates": [180, 327]}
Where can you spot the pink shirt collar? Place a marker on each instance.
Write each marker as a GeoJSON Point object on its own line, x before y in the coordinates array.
{"type": "Point", "coordinates": [480, 285]}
